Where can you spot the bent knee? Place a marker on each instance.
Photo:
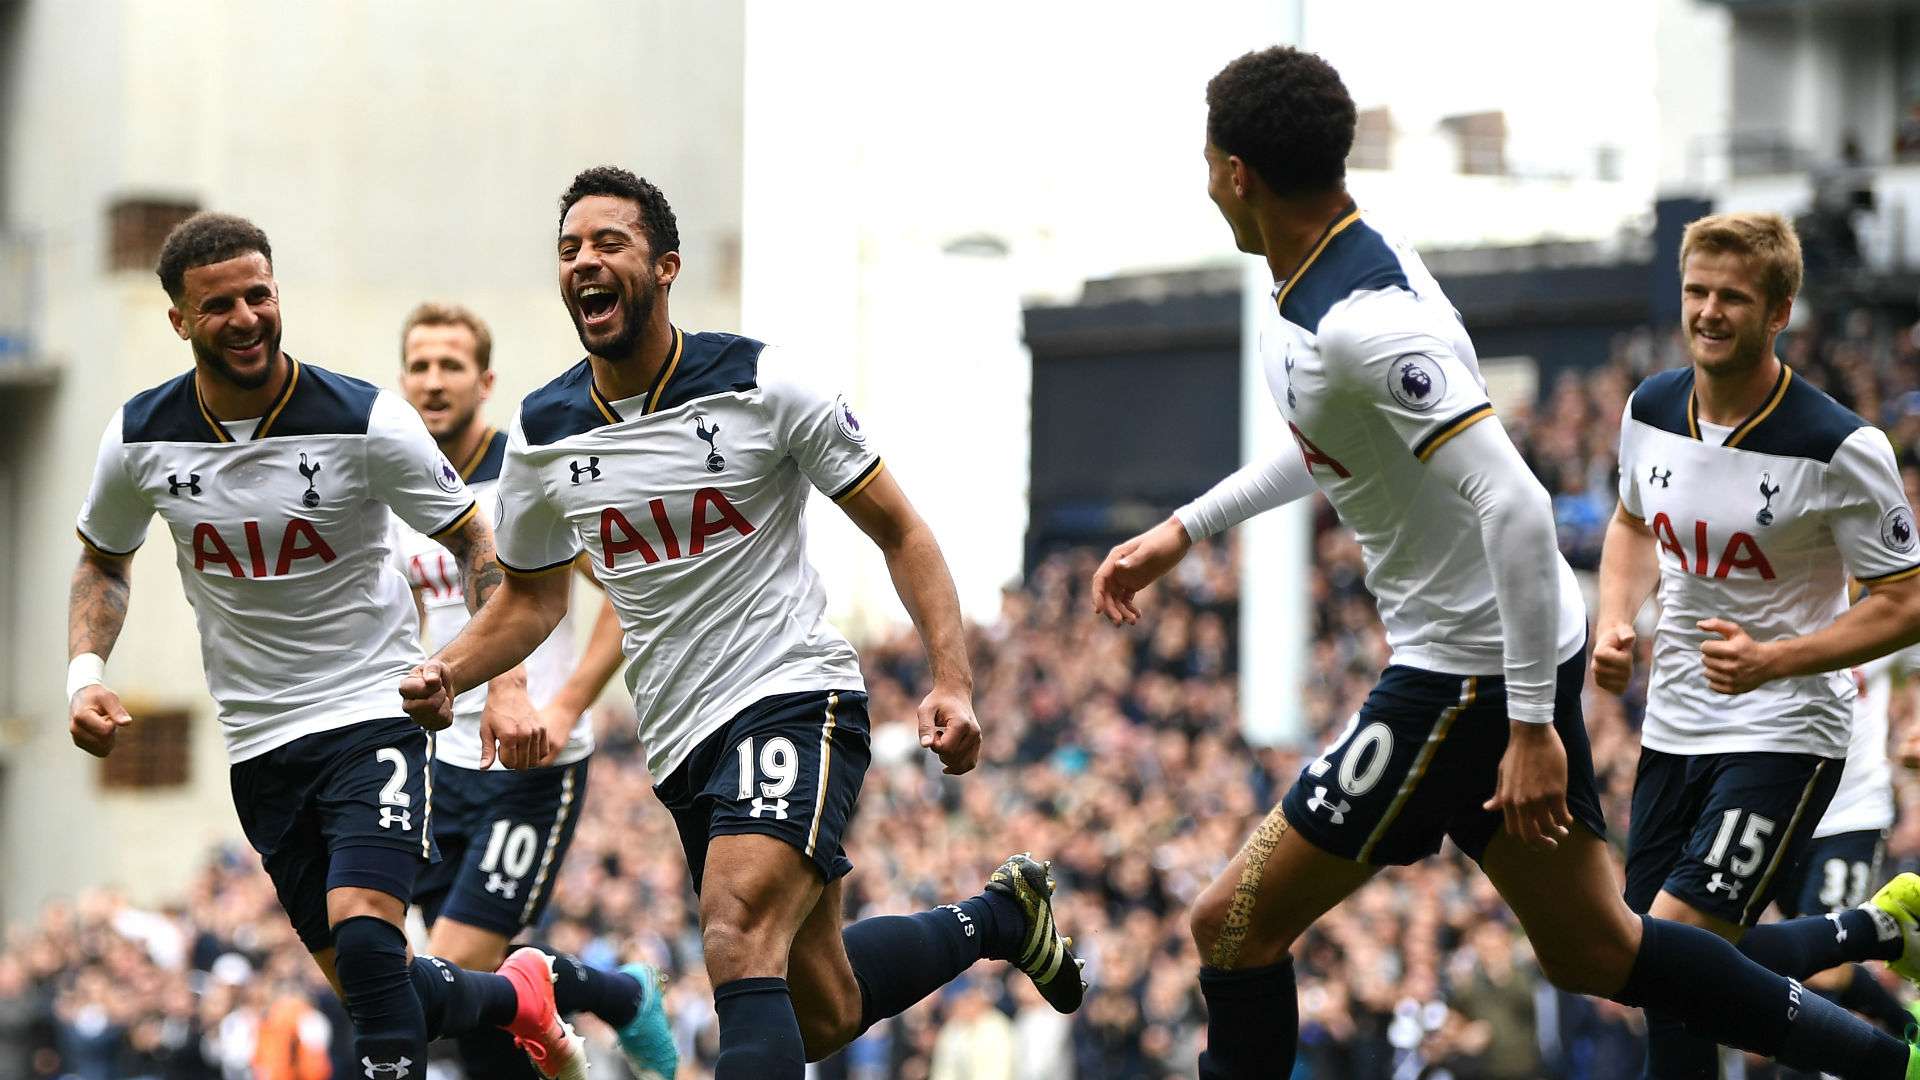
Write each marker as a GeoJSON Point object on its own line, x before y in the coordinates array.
{"type": "Point", "coordinates": [1206, 922]}
{"type": "Point", "coordinates": [1226, 938]}
{"type": "Point", "coordinates": [739, 945]}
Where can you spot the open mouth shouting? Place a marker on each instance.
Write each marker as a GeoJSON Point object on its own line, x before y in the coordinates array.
{"type": "Point", "coordinates": [598, 305]}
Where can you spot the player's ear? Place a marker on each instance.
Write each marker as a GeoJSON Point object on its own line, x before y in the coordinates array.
{"type": "Point", "coordinates": [666, 268]}
{"type": "Point", "coordinates": [1243, 177]}
{"type": "Point", "coordinates": [1778, 318]}
{"type": "Point", "coordinates": [486, 383]}
{"type": "Point", "coordinates": [178, 320]}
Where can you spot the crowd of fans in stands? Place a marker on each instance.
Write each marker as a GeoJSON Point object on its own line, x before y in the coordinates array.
{"type": "Point", "coordinates": [1111, 751]}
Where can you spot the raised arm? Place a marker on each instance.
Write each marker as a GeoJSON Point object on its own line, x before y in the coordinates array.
{"type": "Point", "coordinates": [96, 610]}
{"type": "Point", "coordinates": [921, 578]}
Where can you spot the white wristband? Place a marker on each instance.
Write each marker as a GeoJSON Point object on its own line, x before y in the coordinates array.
{"type": "Point", "coordinates": [87, 669]}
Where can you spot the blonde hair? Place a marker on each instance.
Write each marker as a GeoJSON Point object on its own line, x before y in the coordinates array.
{"type": "Point", "coordinates": [436, 313]}
{"type": "Point", "coordinates": [1766, 238]}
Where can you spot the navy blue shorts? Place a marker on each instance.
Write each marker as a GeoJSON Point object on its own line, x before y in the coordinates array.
{"type": "Point", "coordinates": [1720, 831]}
{"type": "Point", "coordinates": [788, 766]}
{"type": "Point", "coordinates": [337, 809]}
{"type": "Point", "coordinates": [1837, 872]}
{"type": "Point", "coordinates": [502, 834]}
{"type": "Point", "coordinates": [1420, 759]}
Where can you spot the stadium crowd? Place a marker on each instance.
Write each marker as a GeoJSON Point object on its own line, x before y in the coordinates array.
{"type": "Point", "coordinates": [1111, 751]}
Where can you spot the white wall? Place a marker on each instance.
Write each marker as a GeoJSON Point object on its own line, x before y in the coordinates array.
{"type": "Point", "coordinates": [393, 152]}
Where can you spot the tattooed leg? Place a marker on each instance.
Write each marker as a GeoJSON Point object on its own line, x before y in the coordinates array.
{"type": "Point", "coordinates": [1255, 853]}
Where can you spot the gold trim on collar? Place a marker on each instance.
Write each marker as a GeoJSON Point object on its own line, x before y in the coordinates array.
{"type": "Point", "coordinates": [273, 413]}
{"type": "Point", "coordinates": [1745, 427]}
{"type": "Point", "coordinates": [599, 400]}
{"type": "Point", "coordinates": [655, 393]}
{"type": "Point", "coordinates": [1340, 224]}
{"type": "Point", "coordinates": [219, 433]}
{"type": "Point", "coordinates": [279, 406]}
{"type": "Point", "coordinates": [1773, 402]}
{"type": "Point", "coordinates": [479, 454]}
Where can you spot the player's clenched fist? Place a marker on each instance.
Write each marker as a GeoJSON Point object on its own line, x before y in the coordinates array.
{"type": "Point", "coordinates": [1735, 662]}
{"type": "Point", "coordinates": [1613, 658]}
{"type": "Point", "coordinates": [427, 696]}
{"type": "Point", "coordinates": [96, 717]}
{"type": "Point", "coordinates": [949, 729]}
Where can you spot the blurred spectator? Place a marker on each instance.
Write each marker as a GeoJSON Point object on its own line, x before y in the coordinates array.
{"type": "Point", "coordinates": [976, 1042]}
{"type": "Point", "coordinates": [1112, 752]}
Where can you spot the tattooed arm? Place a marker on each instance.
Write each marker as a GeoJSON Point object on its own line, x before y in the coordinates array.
{"type": "Point", "coordinates": [96, 610]}
{"type": "Point", "coordinates": [510, 717]}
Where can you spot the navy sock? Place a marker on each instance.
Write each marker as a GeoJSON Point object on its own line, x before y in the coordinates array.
{"type": "Point", "coordinates": [489, 1053]}
{"type": "Point", "coordinates": [899, 959]}
{"type": "Point", "coordinates": [1700, 979]}
{"type": "Point", "coordinates": [1798, 948]}
{"type": "Point", "coordinates": [1864, 995]}
{"type": "Point", "coordinates": [1253, 1021]}
{"type": "Point", "coordinates": [457, 1001]}
{"type": "Point", "coordinates": [613, 996]}
{"type": "Point", "coordinates": [1674, 1053]}
{"type": "Point", "coordinates": [1825, 1032]}
{"type": "Point", "coordinates": [759, 1034]}
{"type": "Point", "coordinates": [370, 957]}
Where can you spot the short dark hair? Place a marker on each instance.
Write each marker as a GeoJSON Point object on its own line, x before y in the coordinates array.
{"type": "Point", "coordinates": [656, 217]}
{"type": "Point", "coordinates": [204, 239]}
{"type": "Point", "coordinates": [1285, 113]}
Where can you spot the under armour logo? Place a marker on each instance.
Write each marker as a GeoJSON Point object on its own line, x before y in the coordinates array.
{"type": "Point", "coordinates": [389, 816]}
{"type": "Point", "coordinates": [502, 886]}
{"type": "Point", "coordinates": [191, 483]}
{"type": "Point", "coordinates": [1718, 883]}
{"type": "Point", "coordinates": [390, 1070]}
{"type": "Point", "coordinates": [591, 470]}
{"type": "Point", "coordinates": [1654, 476]}
{"type": "Point", "coordinates": [774, 808]}
{"type": "Point", "coordinates": [1336, 808]}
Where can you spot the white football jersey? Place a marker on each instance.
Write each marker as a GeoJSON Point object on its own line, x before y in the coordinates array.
{"type": "Point", "coordinates": [281, 538]}
{"type": "Point", "coordinates": [690, 502]}
{"type": "Point", "coordinates": [1373, 371]}
{"type": "Point", "coordinates": [1864, 800]}
{"type": "Point", "coordinates": [436, 579]}
{"type": "Point", "coordinates": [1761, 529]}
